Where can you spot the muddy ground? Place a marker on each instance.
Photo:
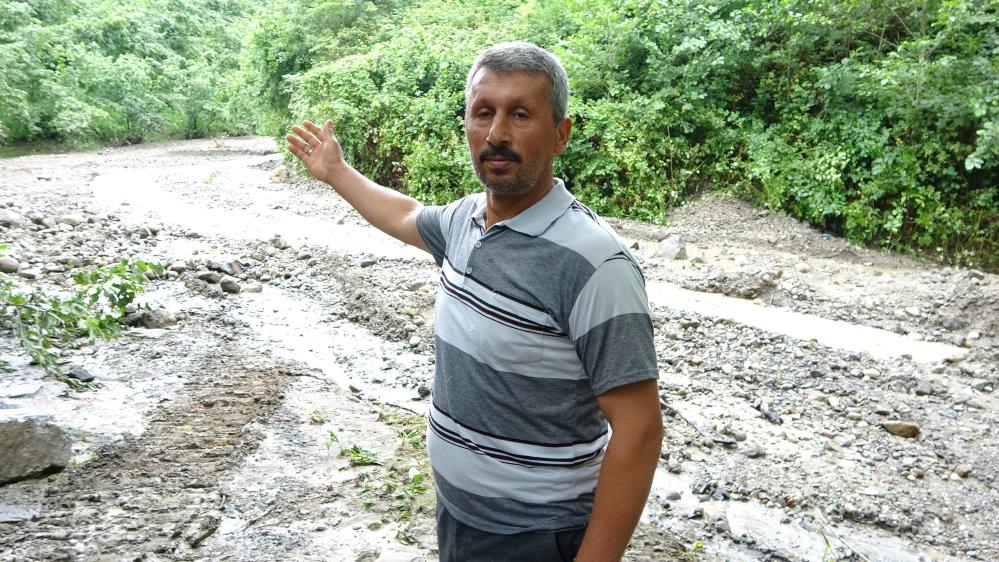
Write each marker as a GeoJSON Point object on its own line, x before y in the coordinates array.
{"type": "Point", "coordinates": [283, 422]}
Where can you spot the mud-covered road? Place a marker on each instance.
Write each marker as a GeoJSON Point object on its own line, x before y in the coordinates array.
{"type": "Point", "coordinates": [272, 409]}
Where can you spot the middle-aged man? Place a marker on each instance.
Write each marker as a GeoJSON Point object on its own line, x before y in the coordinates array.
{"type": "Point", "coordinates": [543, 332]}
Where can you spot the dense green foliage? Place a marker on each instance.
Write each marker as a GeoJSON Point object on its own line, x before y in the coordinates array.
{"type": "Point", "coordinates": [872, 119]}
{"type": "Point", "coordinates": [875, 120]}
{"type": "Point", "coordinates": [115, 70]}
{"type": "Point", "coordinates": [43, 322]}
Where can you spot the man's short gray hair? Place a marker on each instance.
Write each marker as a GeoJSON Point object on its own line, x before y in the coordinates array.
{"type": "Point", "coordinates": [519, 56]}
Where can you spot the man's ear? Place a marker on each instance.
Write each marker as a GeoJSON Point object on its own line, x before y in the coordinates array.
{"type": "Point", "coordinates": [562, 131]}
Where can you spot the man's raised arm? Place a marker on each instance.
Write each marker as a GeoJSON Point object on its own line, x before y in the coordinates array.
{"type": "Point", "coordinates": [386, 209]}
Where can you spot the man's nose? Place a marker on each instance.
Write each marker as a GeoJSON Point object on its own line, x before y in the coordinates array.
{"type": "Point", "coordinates": [499, 131]}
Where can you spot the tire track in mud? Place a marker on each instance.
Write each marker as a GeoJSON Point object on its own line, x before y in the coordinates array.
{"type": "Point", "coordinates": [157, 493]}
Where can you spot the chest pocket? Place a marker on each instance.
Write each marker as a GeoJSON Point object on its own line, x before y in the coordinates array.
{"type": "Point", "coordinates": [511, 333]}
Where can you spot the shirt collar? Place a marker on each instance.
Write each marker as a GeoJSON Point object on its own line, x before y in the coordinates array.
{"type": "Point", "coordinates": [534, 220]}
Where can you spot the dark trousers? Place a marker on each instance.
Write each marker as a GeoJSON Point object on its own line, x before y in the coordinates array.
{"type": "Point", "coordinates": [457, 542]}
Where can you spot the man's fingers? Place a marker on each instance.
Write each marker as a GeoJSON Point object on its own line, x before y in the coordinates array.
{"type": "Point", "coordinates": [295, 142]}
{"type": "Point", "coordinates": [306, 136]}
{"type": "Point", "coordinates": [314, 129]}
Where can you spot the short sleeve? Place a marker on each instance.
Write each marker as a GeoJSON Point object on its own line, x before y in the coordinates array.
{"type": "Point", "coordinates": [430, 224]}
{"type": "Point", "coordinates": [611, 326]}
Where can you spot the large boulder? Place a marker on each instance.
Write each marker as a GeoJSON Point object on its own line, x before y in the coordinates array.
{"type": "Point", "coordinates": [30, 448]}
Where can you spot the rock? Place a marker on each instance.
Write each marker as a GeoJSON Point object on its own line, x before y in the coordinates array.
{"type": "Point", "coordinates": [157, 318]}
{"type": "Point", "coordinates": [253, 288]}
{"type": "Point", "coordinates": [909, 430]}
{"type": "Point", "coordinates": [9, 265]}
{"type": "Point", "coordinates": [30, 448]}
{"type": "Point", "coordinates": [367, 260]}
{"type": "Point", "coordinates": [674, 466]}
{"type": "Point", "coordinates": [423, 391]}
{"type": "Point", "coordinates": [752, 451]}
{"type": "Point", "coordinates": [982, 385]}
{"type": "Point", "coordinates": [962, 470]}
{"type": "Point", "coordinates": [280, 173]}
{"type": "Point", "coordinates": [10, 219]}
{"type": "Point", "coordinates": [209, 277]}
{"type": "Point", "coordinates": [179, 266]}
{"type": "Point", "coordinates": [952, 323]}
{"type": "Point", "coordinates": [975, 274]}
{"type": "Point", "coordinates": [231, 268]}
{"type": "Point", "coordinates": [416, 284]}
{"type": "Point", "coordinates": [279, 243]}
{"type": "Point", "coordinates": [230, 284]}
{"type": "Point", "coordinates": [924, 389]}
{"type": "Point", "coordinates": [415, 341]}
{"type": "Point", "coordinates": [79, 373]}
{"type": "Point", "coordinates": [19, 390]}
{"type": "Point", "coordinates": [802, 267]}
{"type": "Point", "coordinates": [30, 273]}
{"type": "Point", "coordinates": [16, 514]}
{"type": "Point", "coordinates": [673, 248]}
{"type": "Point", "coordinates": [72, 219]}
{"type": "Point", "coordinates": [673, 495]}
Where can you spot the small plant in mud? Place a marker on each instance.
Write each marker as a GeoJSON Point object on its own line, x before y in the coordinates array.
{"type": "Point", "coordinates": [43, 323]}
{"type": "Point", "coordinates": [358, 455]}
{"type": "Point", "coordinates": [318, 418]}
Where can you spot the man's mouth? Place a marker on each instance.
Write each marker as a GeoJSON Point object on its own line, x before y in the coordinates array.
{"type": "Point", "coordinates": [500, 156]}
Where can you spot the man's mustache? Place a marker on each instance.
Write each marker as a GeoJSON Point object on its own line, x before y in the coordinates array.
{"type": "Point", "coordinates": [499, 152]}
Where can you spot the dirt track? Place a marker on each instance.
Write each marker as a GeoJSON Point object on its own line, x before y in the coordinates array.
{"type": "Point", "coordinates": [226, 435]}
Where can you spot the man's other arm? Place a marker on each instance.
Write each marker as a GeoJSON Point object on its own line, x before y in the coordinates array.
{"type": "Point", "coordinates": [386, 209]}
{"type": "Point", "coordinates": [626, 475]}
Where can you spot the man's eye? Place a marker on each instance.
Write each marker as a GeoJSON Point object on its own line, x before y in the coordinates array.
{"type": "Point", "coordinates": [520, 115]}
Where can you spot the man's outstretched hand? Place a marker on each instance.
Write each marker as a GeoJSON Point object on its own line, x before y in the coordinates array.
{"type": "Point", "coordinates": [317, 148]}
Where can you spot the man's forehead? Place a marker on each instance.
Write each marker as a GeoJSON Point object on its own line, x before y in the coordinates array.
{"type": "Point", "coordinates": [488, 75]}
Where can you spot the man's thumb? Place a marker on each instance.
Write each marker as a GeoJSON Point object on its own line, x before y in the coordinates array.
{"type": "Point", "coordinates": [328, 128]}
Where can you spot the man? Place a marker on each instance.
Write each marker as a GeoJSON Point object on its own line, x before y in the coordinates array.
{"type": "Point", "coordinates": [543, 332]}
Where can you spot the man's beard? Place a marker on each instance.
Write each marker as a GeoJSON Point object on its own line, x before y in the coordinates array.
{"type": "Point", "coordinates": [524, 181]}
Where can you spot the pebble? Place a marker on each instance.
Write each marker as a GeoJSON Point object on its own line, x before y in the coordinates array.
{"type": "Point", "coordinates": [30, 273]}
{"type": "Point", "coordinates": [982, 385]}
{"type": "Point", "coordinates": [963, 470]}
{"type": "Point", "coordinates": [253, 288]}
{"type": "Point", "coordinates": [924, 389]}
{"type": "Point", "coordinates": [673, 495]}
{"type": "Point", "coordinates": [909, 430]}
{"type": "Point", "coordinates": [673, 248]}
{"type": "Point", "coordinates": [229, 284]}
{"type": "Point", "coordinates": [9, 265]}
{"type": "Point", "coordinates": [71, 219]}
{"type": "Point", "coordinates": [752, 451]}
{"type": "Point", "coordinates": [367, 260]}
{"type": "Point", "coordinates": [212, 277]}
{"type": "Point", "coordinates": [79, 373]}
{"type": "Point", "coordinates": [415, 341]}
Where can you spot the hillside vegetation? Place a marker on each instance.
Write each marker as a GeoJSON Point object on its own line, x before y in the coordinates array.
{"type": "Point", "coordinates": [874, 120]}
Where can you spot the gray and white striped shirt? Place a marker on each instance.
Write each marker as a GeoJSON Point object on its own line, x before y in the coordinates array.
{"type": "Point", "coordinates": [535, 318]}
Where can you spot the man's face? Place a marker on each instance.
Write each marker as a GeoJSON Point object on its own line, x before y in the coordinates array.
{"type": "Point", "coordinates": [512, 138]}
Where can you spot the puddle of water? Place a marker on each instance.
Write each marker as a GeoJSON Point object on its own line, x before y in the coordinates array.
{"type": "Point", "coordinates": [257, 219]}
{"type": "Point", "coordinates": [763, 524]}
{"type": "Point", "coordinates": [879, 344]}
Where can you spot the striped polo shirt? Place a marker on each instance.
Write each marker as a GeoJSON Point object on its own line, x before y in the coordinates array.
{"type": "Point", "coordinates": [535, 318]}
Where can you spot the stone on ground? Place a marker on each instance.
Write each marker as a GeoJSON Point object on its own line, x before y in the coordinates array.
{"type": "Point", "coordinates": [31, 448]}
